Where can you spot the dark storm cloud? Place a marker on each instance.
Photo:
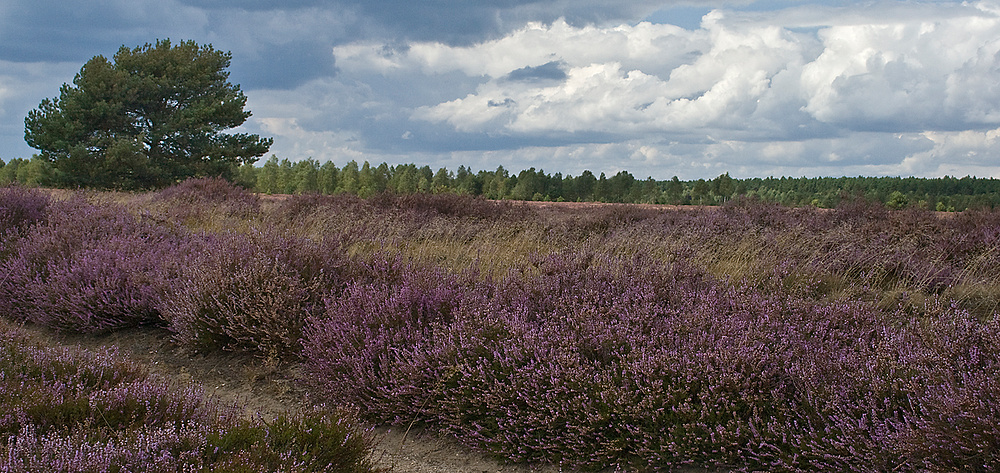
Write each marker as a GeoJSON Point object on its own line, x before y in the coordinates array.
{"type": "Point", "coordinates": [284, 66]}
{"type": "Point", "coordinates": [272, 47]}
{"type": "Point", "coordinates": [49, 31]}
{"type": "Point", "coordinates": [268, 54]}
{"type": "Point", "coordinates": [253, 5]}
{"type": "Point", "coordinates": [463, 22]}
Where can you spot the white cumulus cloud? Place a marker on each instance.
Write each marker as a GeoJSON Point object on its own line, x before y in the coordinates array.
{"type": "Point", "coordinates": [922, 74]}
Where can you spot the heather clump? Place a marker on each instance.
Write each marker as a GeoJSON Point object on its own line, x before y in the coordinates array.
{"type": "Point", "coordinates": [20, 207]}
{"type": "Point", "coordinates": [955, 424]}
{"type": "Point", "coordinates": [298, 208]}
{"type": "Point", "coordinates": [316, 441]}
{"type": "Point", "coordinates": [450, 205]}
{"type": "Point", "coordinates": [117, 285]}
{"type": "Point", "coordinates": [88, 268]}
{"type": "Point", "coordinates": [210, 202]}
{"type": "Point", "coordinates": [74, 224]}
{"type": "Point", "coordinates": [577, 225]}
{"type": "Point", "coordinates": [361, 347]}
{"type": "Point", "coordinates": [48, 389]}
{"type": "Point", "coordinates": [250, 292]}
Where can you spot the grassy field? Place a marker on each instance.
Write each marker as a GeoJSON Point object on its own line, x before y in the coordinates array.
{"type": "Point", "coordinates": [747, 337]}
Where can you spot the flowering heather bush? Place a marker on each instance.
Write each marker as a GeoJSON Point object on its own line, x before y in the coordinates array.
{"type": "Point", "coordinates": [299, 207]}
{"type": "Point", "coordinates": [359, 348]}
{"type": "Point", "coordinates": [89, 268]}
{"type": "Point", "coordinates": [101, 289]}
{"type": "Point", "coordinates": [74, 225]}
{"type": "Point", "coordinates": [206, 202]}
{"type": "Point", "coordinates": [19, 208]}
{"type": "Point", "coordinates": [451, 205]}
{"type": "Point", "coordinates": [47, 388]}
{"type": "Point", "coordinates": [76, 411]}
{"type": "Point", "coordinates": [250, 292]}
{"type": "Point", "coordinates": [598, 220]}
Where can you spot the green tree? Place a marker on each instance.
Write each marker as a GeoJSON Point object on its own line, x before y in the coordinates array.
{"type": "Point", "coordinates": [372, 180]}
{"type": "Point", "coordinates": [441, 183]}
{"type": "Point", "coordinates": [153, 116]}
{"type": "Point", "coordinates": [586, 184]}
{"type": "Point", "coordinates": [700, 191]}
{"type": "Point", "coordinates": [382, 174]}
{"type": "Point", "coordinates": [268, 177]}
{"type": "Point", "coordinates": [425, 177]}
{"type": "Point", "coordinates": [306, 174]}
{"type": "Point", "coordinates": [466, 182]}
{"type": "Point", "coordinates": [724, 187]}
{"type": "Point", "coordinates": [601, 189]}
{"type": "Point", "coordinates": [619, 188]}
{"type": "Point", "coordinates": [286, 177]}
{"type": "Point", "coordinates": [33, 173]}
{"type": "Point", "coordinates": [8, 172]}
{"type": "Point", "coordinates": [897, 200]}
{"type": "Point", "coordinates": [246, 176]}
{"type": "Point", "coordinates": [528, 184]}
{"type": "Point", "coordinates": [404, 179]}
{"type": "Point", "coordinates": [674, 192]}
{"type": "Point", "coordinates": [348, 178]}
{"type": "Point", "coordinates": [648, 191]}
{"type": "Point", "coordinates": [327, 177]}
{"type": "Point", "coordinates": [496, 184]}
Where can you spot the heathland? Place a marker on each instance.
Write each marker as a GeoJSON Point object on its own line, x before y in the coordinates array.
{"type": "Point", "coordinates": [748, 336]}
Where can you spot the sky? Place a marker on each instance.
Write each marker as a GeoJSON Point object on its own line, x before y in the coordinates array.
{"type": "Point", "coordinates": [658, 88]}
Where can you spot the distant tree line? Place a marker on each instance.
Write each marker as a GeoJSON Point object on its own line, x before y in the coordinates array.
{"type": "Point", "coordinates": [365, 180]}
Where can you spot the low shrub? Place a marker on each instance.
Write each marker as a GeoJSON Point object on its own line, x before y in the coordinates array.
{"type": "Point", "coordinates": [423, 205]}
{"type": "Point", "coordinates": [117, 285]}
{"type": "Point", "coordinates": [316, 441]}
{"type": "Point", "coordinates": [89, 268]}
{"type": "Point", "coordinates": [20, 208]}
{"type": "Point", "coordinates": [210, 202]}
{"type": "Point", "coordinates": [250, 292]}
{"type": "Point", "coordinates": [360, 348]}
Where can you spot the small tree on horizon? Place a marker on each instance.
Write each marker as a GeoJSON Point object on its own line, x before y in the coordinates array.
{"type": "Point", "coordinates": [153, 116]}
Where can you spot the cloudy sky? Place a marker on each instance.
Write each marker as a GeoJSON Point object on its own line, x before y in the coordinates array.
{"type": "Point", "coordinates": [655, 87]}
